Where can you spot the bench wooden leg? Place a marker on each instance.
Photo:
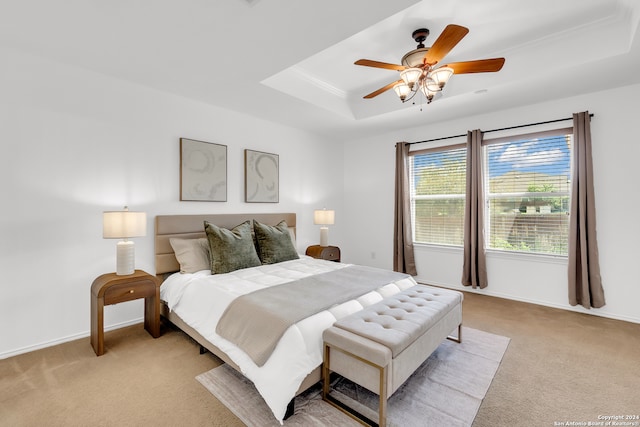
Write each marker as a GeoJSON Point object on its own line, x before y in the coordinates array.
{"type": "Point", "coordinates": [382, 407]}
{"type": "Point", "coordinates": [457, 339]}
{"type": "Point", "coordinates": [326, 377]}
{"type": "Point", "coordinates": [326, 373]}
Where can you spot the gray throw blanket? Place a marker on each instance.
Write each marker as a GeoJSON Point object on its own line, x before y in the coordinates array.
{"type": "Point", "coordinates": [255, 322]}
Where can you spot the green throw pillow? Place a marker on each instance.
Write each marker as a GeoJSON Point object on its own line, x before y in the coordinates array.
{"type": "Point", "coordinates": [274, 243]}
{"type": "Point", "coordinates": [231, 250]}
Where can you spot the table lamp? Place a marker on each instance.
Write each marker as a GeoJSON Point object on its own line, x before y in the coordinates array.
{"type": "Point", "coordinates": [123, 225]}
{"type": "Point", "coordinates": [323, 218]}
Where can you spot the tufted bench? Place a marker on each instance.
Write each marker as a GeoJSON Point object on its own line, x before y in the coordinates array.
{"type": "Point", "coordinates": [380, 346]}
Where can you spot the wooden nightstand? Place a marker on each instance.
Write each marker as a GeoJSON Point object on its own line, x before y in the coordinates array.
{"type": "Point", "coordinates": [112, 289]}
{"type": "Point", "coordinates": [330, 253]}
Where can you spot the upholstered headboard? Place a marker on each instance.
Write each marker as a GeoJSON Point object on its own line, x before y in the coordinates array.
{"type": "Point", "coordinates": [192, 226]}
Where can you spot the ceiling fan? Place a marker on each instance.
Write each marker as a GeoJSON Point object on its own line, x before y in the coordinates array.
{"type": "Point", "coordinates": [418, 71]}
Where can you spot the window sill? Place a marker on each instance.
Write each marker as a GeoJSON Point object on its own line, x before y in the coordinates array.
{"type": "Point", "coordinates": [439, 248]}
{"type": "Point", "coordinates": [524, 256]}
{"type": "Point", "coordinates": [496, 254]}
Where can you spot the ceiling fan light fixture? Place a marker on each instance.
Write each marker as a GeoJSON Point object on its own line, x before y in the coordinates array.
{"type": "Point", "coordinates": [417, 69]}
{"type": "Point", "coordinates": [431, 85]}
{"type": "Point", "coordinates": [411, 76]}
{"type": "Point", "coordinates": [427, 87]}
{"type": "Point", "coordinates": [415, 58]}
{"type": "Point", "coordinates": [441, 76]}
{"type": "Point", "coordinates": [402, 90]}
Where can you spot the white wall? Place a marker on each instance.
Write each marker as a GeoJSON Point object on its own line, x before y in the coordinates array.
{"type": "Point", "coordinates": [369, 206]}
{"type": "Point", "coordinates": [76, 143]}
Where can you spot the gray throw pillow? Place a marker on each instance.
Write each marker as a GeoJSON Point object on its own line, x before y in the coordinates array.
{"type": "Point", "coordinates": [274, 243]}
{"type": "Point", "coordinates": [231, 250]}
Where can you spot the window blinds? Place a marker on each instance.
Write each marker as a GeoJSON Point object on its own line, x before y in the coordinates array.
{"type": "Point", "coordinates": [527, 187]}
{"type": "Point", "coordinates": [438, 179]}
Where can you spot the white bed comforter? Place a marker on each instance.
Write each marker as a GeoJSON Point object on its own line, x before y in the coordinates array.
{"type": "Point", "coordinates": [201, 298]}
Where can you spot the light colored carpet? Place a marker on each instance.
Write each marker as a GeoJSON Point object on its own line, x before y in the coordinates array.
{"type": "Point", "coordinates": [446, 390]}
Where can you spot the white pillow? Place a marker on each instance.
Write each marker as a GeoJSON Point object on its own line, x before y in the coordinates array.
{"type": "Point", "coordinates": [192, 254]}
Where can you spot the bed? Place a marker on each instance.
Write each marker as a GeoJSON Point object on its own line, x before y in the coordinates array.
{"type": "Point", "coordinates": [195, 302]}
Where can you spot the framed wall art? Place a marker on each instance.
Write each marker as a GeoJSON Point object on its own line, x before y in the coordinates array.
{"type": "Point", "coordinates": [261, 177]}
{"type": "Point", "coordinates": [203, 171]}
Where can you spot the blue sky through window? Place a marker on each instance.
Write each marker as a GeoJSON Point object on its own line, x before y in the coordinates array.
{"type": "Point", "coordinates": [549, 156]}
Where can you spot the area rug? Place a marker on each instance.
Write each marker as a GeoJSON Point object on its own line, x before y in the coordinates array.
{"type": "Point", "coordinates": [446, 390]}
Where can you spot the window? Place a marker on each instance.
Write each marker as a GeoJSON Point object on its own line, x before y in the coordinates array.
{"type": "Point", "coordinates": [527, 188]}
{"type": "Point", "coordinates": [438, 181]}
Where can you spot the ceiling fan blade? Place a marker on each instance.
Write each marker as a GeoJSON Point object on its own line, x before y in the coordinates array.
{"type": "Point", "coordinates": [378, 64]}
{"type": "Point", "coordinates": [382, 89]}
{"type": "Point", "coordinates": [450, 37]}
{"type": "Point", "coordinates": [479, 66]}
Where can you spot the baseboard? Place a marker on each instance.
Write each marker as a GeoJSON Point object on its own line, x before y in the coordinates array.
{"type": "Point", "coordinates": [576, 309]}
{"type": "Point", "coordinates": [68, 338]}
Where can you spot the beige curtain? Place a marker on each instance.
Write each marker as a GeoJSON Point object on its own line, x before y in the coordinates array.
{"type": "Point", "coordinates": [403, 258]}
{"type": "Point", "coordinates": [474, 271]}
{"type": "Point", "coordinates": [585, 285]}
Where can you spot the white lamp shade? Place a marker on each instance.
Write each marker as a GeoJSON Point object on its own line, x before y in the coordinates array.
{"type": "Point", "coordinates": [441, 75]}
{"type": "Point", "coordinates": [323, 217]}
{"type": "Point", "coordinates": [402, 90]}
{"type": "Point", "coordinates": [429, 88]}
{"type": "Point", "coordinates": [124, 224]}
{"type": "Point", "coordinates": [410, 75]}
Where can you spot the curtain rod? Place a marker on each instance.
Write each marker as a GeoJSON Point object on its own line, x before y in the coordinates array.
{"type": "Point", "coordinates": [496, 130]}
